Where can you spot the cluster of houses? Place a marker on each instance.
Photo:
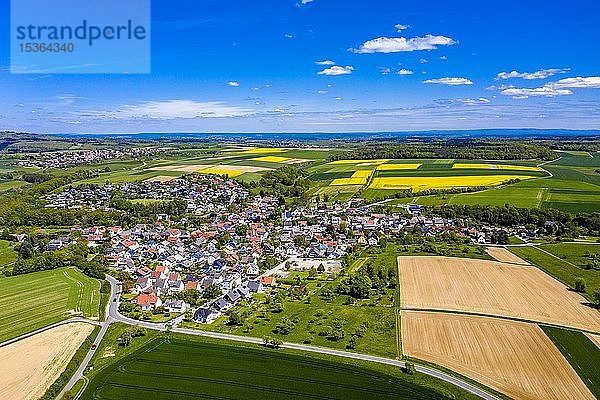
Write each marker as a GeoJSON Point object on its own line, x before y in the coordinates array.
{"type": "Point", "coordinates": [203, 193]}
{"type": "Point", "coordinates": [62, 159]}
{"type": "Point", "coordinates": [240, 232]}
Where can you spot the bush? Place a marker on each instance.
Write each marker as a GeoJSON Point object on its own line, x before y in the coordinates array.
{"type": "Point", "coordinates": [579, 285]}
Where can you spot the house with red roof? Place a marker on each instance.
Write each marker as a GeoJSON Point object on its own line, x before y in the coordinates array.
{"type": "Point", "coordinates": [147, 301]}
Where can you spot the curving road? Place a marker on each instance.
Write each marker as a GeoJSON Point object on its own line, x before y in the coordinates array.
{"type": "Point", "coordinates": [113, 315]}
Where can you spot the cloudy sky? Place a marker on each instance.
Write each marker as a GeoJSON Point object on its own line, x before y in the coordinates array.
{"type": "Point", "coordinates": [332, 66]}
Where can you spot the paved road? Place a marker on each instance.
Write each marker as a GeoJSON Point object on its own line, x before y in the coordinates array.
{"type": "Point", "coordinates": [113, 315]}
{"type": "Point", "coordinates": [110, 306]}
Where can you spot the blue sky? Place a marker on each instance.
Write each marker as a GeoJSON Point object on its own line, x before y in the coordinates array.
{"type": "Point", "coordinates": [331, 66]}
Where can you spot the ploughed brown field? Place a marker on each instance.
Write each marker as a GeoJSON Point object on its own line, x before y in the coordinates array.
{"type": "Point", "coordinates": [492, 288]}
{"type": "Point", "coordinates": [28, 367]}
{"type": "Point", "coordinates": [514, 358]}
{"type": "Point", "coordinates": [503, 255]}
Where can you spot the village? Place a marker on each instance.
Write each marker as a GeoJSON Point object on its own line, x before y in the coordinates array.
{"type": "Point", "coordinates": [73, 158]}
{"type": "Point", "coordinates": [244, 244]}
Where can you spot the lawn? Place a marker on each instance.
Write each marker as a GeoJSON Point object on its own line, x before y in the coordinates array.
{"type": "Point", "coordinates": [582, 354]}
{"type": "Point", "coordinates": [7, 254]}
{"type": "Point", "coordinates": [180, 366]}
{"type": "Point", "coordinates": [32, 301]}
{"type": "Point", "coordinates": [560, 269]}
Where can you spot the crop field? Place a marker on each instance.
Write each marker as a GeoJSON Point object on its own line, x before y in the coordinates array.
{"type": "Point", "coordinates": [264, 150]}
{"type": "Point", "coordinates": [357, 178]}
{"type": "Point", "coordinates": [594, 338]}
{"type": "Point", "coordinates": [32, 301]}
{"type": "Point", "coordinates": [563, 270]}
{"type": "Point", "coordinates": [496, 166]}
{"type": "Point", "coordinates": [423, 183]}
{"type": "Point", "coordinates": [395, 167]}
{"type": "Point", "coordinates": [360, 162]}
{"type": "Point", "coordinates": [491, 288]}
{"type": "Point", "coordinates": [503, 255]}
{"type": "Point", "coordinates": [566, 195]}
{"type": "Point", "coordinates": [31, 365]}
{"type": "Point", "coordinates": [582, 354]}
{"type": "Point", "coordinates": [515, 358]}
{"type": "Point", "coordinates": [186, 367]}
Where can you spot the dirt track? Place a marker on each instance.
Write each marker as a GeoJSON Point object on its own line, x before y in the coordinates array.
{"type": "Point", "coordinates": [28, 367]}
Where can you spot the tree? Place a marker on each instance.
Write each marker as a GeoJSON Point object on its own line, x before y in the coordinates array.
{"type": "Point", "coordinates": [579, 285]}
{"type": "Point", "coordinates": [312, 273]}
{"type": "Point", "coordinates": [237, 318]}
{"type": "Point", "coordinates": [321, 268]}
{"type": "Point", "coordinates": [212, 292]}
{"type": "Point", "coordinates": [596, 297]}
{"type": "Point", "coordinates": [409, 368]}
{"type": "Point", "coordinates": [271, 343]}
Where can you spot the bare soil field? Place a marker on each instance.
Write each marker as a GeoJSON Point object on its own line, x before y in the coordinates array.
{"type": "Point", "coordinates": [503, 255]}
{"type": "Point", "coordinates": [514, 358]}
{"type": "Point", "coordinates": [28, 367]}
{"type": "Point", "coordinates": [492, 288]}
{"type": "Point", "coordinates": [594, 338]}
{"type": "Point", "coordinates": [160, 178]}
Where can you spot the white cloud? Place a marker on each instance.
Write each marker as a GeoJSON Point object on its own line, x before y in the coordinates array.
{"type": "Point", "coordinates": [423, 61]}
{"type": "Point", "coordinates": [541, 74]}
{"type": "Point", "coordinates": [405, 72]}
{"type": "Point", "coordinates": [401, 27]}
{"type": "Point", "coordinates": [592, 82]}
{"type": "Point", "coordinates": [339, 98]}
{"type": "Point", "coordinates": [323, 92]}
{"type": "Point", "coordinates": [396, 45]}
{"type": "Point", "coordinates": [325, 62]}
{"type": "Point", "coordinates": [385, 71]}
{"type": "Point", "coordinates": [450, 81]}
{"type": "Point", "coordinates": [337, 70]}
{"type": "Point", "coordinates": [172, 109]}
{"type": "Point", "coordinates": [288, 35]}
{"type": "Point", "coordinates": [233, 83]}
{"type": "Point", "coordinates": [481, 100]}
{"type": "Point", "coordinates": [443, 58]}
{"type": "Point", "coordinates": [545, 91]}
{"type": "Point", "coordinates": [306, 1]}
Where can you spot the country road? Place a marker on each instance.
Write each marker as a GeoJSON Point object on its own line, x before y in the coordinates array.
{"type": "Point", "coordinates": [113, 315]}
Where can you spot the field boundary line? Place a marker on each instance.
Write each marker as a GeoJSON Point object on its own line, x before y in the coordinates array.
{"type": "Point", "coordinates": [515, 319]}
{"type": "Point", "coordinates": [45, 328]}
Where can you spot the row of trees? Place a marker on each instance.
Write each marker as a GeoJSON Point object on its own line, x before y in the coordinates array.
{"type": "Point", "coordinates": [455, 148]}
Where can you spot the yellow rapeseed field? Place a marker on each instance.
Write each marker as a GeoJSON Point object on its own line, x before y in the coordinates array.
{"type": "Point", "coordinates": [272, 159]}
{"type": "Point", "coordinates": [393, 167]}
{"type": "Point", "coordinates": [418, 183]}
{"type": "Point", "coordinates": [357, 178]}
{"type": "Point", "coordinates": [222, 170]}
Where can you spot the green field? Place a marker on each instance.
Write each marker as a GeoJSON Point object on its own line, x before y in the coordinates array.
{"type": "Point", "coordinates": [192, 367]}
{"type": "Point", "coordinates": [582, 354]}
{"type": "Point", "coordinates": [559, 268]}
{"type": "Point", "coordinates": [32, 301]}
{"type": "Point", "coordinates": [8, 255]}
